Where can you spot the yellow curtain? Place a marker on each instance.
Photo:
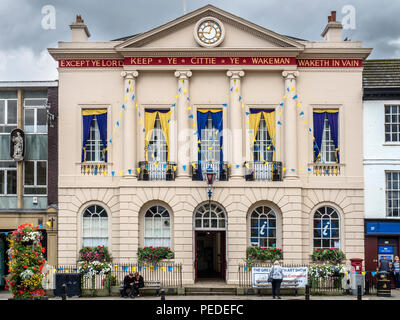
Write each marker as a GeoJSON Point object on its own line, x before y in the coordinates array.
{"type": "Point", "coordinates": [149, 121]}
{"type": "Point", "coordinates": [164, 119]}
{"type": "Point", "coordinates": [270, 121]}
{"type": "Point", "coordinates": [254, 122]}
{"type": "Point", "coordinates": [93, 112]}
{"type": "Point", "coordinates": [207, 110]}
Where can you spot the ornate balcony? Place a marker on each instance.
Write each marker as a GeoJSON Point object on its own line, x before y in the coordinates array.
{"type": "Point", "coordinates": [220, 175]}
{"type": "Point", "coordinates": [326, 169]}
{"type": "Point", "coordinates": [263, 171]}
{"type": "Point", "coordinates": [93, 168]}
{"type": "Point", "coordinates": [150, 171]}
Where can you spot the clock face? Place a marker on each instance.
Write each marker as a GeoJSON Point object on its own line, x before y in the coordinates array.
{"type": "Point", "coordinates": [209, 32]}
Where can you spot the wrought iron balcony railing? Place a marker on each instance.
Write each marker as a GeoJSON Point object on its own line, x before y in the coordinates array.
{"type": "Point", "coordinates": [263, 171]}
{"type": "Point", "coordinates": [150, 170]}
{"type": "Point", "coordinates": [221, 170]}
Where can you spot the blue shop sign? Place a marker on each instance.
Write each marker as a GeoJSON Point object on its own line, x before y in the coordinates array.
{"type": "Point", "coordinates": [382, 249]}
{"type": "Point", "coordinates": [264, 228]}
{"type": "Point", "coordinates": [324, 229]}
{"type": "Point", "coordinates": [383, 227]}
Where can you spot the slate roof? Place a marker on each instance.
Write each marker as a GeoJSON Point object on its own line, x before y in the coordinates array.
{"type": "Point", "coordinates": [381, 73]}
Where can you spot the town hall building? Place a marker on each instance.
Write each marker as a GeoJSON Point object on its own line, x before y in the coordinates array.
{"type": "Point", "coordinates": [273, 122]}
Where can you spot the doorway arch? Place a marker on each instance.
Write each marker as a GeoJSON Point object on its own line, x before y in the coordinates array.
{"type": "Point", "coordinates": [210, 225]}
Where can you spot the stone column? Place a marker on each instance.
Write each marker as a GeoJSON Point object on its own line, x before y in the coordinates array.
{"type": "Point", "coordinates": [129, 123]}
{"type": "Point", "coordinates": [235, 141]}
{"type": "Point", "coordinates": [290, 126]}
{"type": "Point", "coordinates": [183, 123]}
{"type": "Point", "coordinates": [20, 164]}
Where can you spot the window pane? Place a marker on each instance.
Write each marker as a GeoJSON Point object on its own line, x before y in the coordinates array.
{"type": "Point", "coordinates": [41, 120]}
{"type": "Point", "coordinates": [29, 173]}
{"type": "Point", "coordinates": [11, 182]}
{"type": "Point", "coordinates": [2, 111]}
{"type": "Point", "coordinates": [1, 181]}
{"type": "Point", "coordinates": [29, 120]}
{"type": "Point", "coordinates": [41, 173]}
{"type": "Point", "coordinates": [12, 112]}
{"type": "Point", "coordinates": [35, 102]}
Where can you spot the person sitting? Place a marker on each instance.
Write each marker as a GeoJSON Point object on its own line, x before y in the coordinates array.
{"type": "Point", "coordinates": [138, 283]}
{"type": "Point", "coordinates": [129, 283]}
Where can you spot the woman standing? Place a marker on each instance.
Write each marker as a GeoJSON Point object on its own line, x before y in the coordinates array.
{"type": "Point", "coordinates": [276, 276]}
{"type": "Point", "coordinates": [396, 271]}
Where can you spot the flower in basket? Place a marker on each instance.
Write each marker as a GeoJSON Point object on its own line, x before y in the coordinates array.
{"type": "Point", "coordinates": [154, 254]}
{"type": "Point", "coordinates": [94, 260]}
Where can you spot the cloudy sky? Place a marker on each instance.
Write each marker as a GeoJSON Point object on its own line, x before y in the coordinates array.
{"type": "Point", "coordinates": [24, 41]}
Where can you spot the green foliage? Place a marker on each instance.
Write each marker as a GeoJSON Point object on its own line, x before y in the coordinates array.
{"type": "Point", "coordinates": [255, 254]}
{"type": "Point", "coordinates": [331, 255]}
{"type": "Point", "coordinates": [90, 254]}
{"type": "Point", "coordinates": [110, 281]}
{"type": "Point", "coordinates": [154, 254]}
{"type": "Point", "coordinates": [26, 263]}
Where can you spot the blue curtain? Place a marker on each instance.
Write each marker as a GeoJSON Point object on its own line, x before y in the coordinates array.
{"type": "Point", "coordinates": [319, 119]}
{"type": "Point", "coordinates": [256, 110]}
{"type": "Point", "coordinates": [201, 125]}
{"type": "Point", "coordinates": [217, 124]}
{"type": "Point", "coordinates": [87, 122]}
{"type": "Point", "coordinates": [102, 123]}
{"type": "Point", "coordinates": [333, 124]}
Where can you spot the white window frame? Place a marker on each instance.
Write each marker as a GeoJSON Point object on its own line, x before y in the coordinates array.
{"type": "Point", "coordinates": [35, 108]}
{"type": "Point", "coordinates": [6, 124]}
{"type": "Point", "coordinates": [324, 215]}
{"type": "Point", "coordinates": [394, 191]}
{"type": "Point", "coordinates": [98, 214]}
{"type": "Point", "coordinates": [204, 216]}
{"type": "Point", "coordinates": [267, 213]}
{"type": "Point", "coordinates": [154, 239]}
{"type": "Point", "coordinates": [327, 145]}
{"type": "Point", "coordinates": [35, 176]}
{"type": "Point", "coordinates": [98, 144]}
{"type": "Point", "coordinates": [210, 138]}
{"type": "Point", "coordinates": [391, 123]}
{"type": "Point", "coordinates": [157, 169]}
{"type": "Point", "coordinates": [5, 170]}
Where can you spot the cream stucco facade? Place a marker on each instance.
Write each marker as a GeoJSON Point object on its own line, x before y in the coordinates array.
{"type": "Point", "coordinates": [294, 199]}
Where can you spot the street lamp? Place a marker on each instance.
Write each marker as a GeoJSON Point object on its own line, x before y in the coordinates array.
{"type": "Point", "coordinates": [210, 175]}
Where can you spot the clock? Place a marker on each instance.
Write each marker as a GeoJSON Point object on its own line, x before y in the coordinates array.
{"type": "Point", "coordinates": [209, 32]}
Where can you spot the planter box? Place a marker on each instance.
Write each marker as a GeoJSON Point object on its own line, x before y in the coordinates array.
{"type": "Point", "coordinates": [95, 293]}
{"type": "Point", "coordinates": [38, 298]}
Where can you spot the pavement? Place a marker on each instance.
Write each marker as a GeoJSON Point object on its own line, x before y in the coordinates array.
{"type": "Point", "coordinates": [5, 295]}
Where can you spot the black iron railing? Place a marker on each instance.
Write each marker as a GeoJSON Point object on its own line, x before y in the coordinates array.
{"type": "Point", "coordinates": [169, 274]}
{"type": "Point", "coordinates": [153, 170]}
{"type": "Point", "coordinates": [222, 171]}
{"type": "Point", "coordinates": [263, 171]}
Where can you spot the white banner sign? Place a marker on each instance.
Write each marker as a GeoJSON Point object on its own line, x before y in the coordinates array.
{"type": "Point", "coordinates": [260, 275]}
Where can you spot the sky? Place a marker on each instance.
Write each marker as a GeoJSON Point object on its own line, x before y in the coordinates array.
{"type": "Point", "coordinates": [26, 30]}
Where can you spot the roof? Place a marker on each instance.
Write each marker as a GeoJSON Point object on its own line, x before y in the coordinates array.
{"type": "Point", "coordinates": [28, 84]}
{"type": "Point", "coordinates": [381, 73]}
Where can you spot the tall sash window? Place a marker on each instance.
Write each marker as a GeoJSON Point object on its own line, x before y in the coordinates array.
{"type": "Point", "coordinates": [95, 227]}
{"type": "Point", "coordinates": [157, 142]}
{"type": "Point", "coordinates": [94, 146]}
{"type": "Point", "coordinates": [209, 125]}
{"type": "Point", "coordinates": [326, 144]}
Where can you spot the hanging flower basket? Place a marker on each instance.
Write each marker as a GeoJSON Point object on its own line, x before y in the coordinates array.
{"type": "Point", "coordinates": [330, 255]}
{"type": "Point", "coordinates": [154, 254]}
{"type": "Point", "coordinates": [26, 263]}
{"type": "Point", "coordinates": [257, 254]}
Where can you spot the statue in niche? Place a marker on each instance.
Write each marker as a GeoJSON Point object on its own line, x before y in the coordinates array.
{"type": "Point", "coordinates": [17, 145]}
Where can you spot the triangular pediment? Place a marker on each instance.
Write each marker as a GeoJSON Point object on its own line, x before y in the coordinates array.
{"type": "Point", "coordinates": [239, 33]}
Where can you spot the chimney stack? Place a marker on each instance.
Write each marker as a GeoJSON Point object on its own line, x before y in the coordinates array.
{"type": "Point", "coordinates": [79, 30]}
{"type": "Point", "coordinates": [333, 30]}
